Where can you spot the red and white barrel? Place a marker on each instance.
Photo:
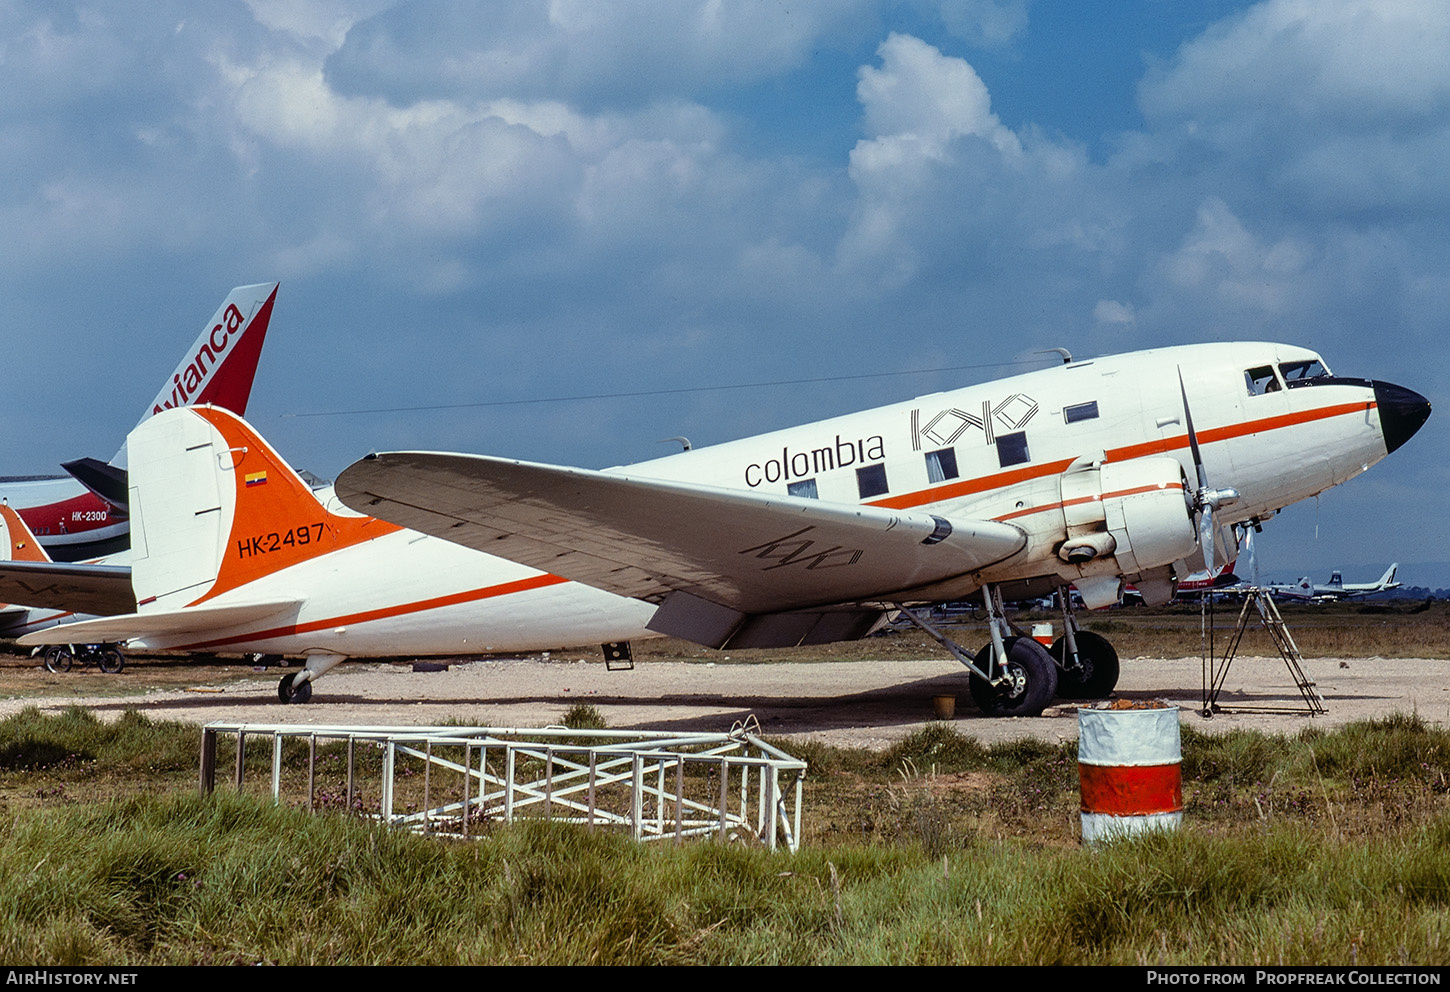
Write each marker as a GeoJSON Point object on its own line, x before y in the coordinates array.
{"type": "Point", "coordinates": [1130, 764]}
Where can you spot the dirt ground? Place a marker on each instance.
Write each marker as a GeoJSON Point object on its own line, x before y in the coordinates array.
{"type": "Point", "coordinates": [863, 701]}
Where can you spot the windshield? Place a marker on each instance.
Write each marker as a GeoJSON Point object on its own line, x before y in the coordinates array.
{"type": "Point", "coordinates": [1311, 368]}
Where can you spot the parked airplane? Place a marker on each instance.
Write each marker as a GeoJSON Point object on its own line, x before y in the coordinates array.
{"type": "Point", "coordinates": [233, 552]}
{"type": "Point", "coordinates": [32, 576]}
{"type": "Point", "coordinates": [84, 514]}
{"type": "Point", "coordinates": [1336, 589]}
{"type": "Point", "coordinates": [1087, 474]}
{"type": "Point", "coordinates": [1194, 586]}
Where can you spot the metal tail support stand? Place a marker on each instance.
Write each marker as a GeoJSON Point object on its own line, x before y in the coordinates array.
{"type": "Point", "coordinates": [1214, 673]}
{"type": "Point", "coordinates": [618, 656]}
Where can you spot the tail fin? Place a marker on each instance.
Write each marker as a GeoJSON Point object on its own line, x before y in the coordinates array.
{"type": "Point", "coordinates": [221, 363]}
{"type": "Point", "coordinates": [1387, 581]}
{"type": "Point", "coordinates": [214, 509]}
{"type": "Point", "coordinates": [17, 543]}
{"type": "Point", "coordinates": [16, 540]}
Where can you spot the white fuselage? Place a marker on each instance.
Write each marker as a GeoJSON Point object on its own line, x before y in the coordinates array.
{"type": "Point", "coordinates": [1051, 452]}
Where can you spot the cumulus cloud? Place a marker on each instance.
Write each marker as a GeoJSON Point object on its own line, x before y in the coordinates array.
{"type": "Point", "coordinates": [1113, 312]}
{"type": "Point", "coordinates": [1338, 107]}
{"type": "Point", "coordinates": [592, 54]}
{"type": "Point", "coordinates": [986, 23]}
{"type": "Point", "coordinates": [1221, 258]}
{"type": "Point", "coordinates": [923, 99]}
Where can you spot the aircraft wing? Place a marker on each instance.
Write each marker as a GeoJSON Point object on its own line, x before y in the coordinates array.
{"type": "Point", "coordinates": [76, 587]}
{"type": "Point", "coordinates": [746, 553]}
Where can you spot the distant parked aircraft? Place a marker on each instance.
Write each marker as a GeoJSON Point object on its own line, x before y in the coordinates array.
{"type": "Point", "coordinates": [1336, 588]}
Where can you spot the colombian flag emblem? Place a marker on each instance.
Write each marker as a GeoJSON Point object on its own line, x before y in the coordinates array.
{"type": "Point", "coordinates": [256, 479]}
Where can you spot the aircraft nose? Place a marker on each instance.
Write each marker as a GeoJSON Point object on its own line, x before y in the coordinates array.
{"type": "Point", "coordinates": [1402, 412]}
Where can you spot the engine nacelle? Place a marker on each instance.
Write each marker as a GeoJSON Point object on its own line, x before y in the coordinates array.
{"type": "Point", "coordinates": [1128, 517]}
{"type": "Point", "coordinates": [1145, 505]}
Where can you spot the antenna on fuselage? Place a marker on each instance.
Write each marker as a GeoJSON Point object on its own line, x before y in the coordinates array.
{"type": "Point", "coordinates": [684, 441]}
{"type": "Point", "coordinates": [1066, 355]}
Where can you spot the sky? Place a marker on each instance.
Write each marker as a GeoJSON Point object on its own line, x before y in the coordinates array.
{"type": "Point", "coordinates": [473, 207]}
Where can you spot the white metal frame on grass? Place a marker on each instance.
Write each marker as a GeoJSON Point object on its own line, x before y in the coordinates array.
{"type": "Point", "coordinates": [641, 781]}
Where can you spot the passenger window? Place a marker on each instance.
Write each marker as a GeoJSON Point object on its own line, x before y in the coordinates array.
{"type": "Point", "coordinates": [1262, 380]}
{"type": "Point", "coordinates": [1012, 449]}
{"type": "Point", "coordinates": [805, 488]}
{"type": "Point", "coordinates": [941, 465]}
{"type": "Point", "coordinates": [1080, 411]}
{"type": "Point", "coordinates": [871, 480]}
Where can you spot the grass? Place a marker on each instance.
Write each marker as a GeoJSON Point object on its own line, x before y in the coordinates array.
{"type": "Point", "coordinates": [1322, 847]}
{"type": "Point", "coordinates": [186, 880]}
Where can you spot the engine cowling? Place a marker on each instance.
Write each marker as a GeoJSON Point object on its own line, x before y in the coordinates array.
{"type": "Point", "coordinates": [1129, 517]}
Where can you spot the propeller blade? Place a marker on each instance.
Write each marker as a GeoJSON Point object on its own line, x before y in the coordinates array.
{"type": "Point", "coordinates": [1192, 435]}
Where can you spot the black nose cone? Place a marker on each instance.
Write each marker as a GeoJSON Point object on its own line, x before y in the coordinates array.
{"type": "Point", "coordinates": [1402, 412]}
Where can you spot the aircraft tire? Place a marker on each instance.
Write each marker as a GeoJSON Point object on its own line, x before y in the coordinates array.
{"type": "Point", "coordinates": [1032, 685]}
{"type": "Point", "coordinates": [1099, 674]}
{"type": "Point", "coordinates": [58, 658]}
{"type": "Point", "coordinates": [287, 693]}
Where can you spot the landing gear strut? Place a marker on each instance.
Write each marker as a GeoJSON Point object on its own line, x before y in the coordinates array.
{"type": "Point", "coordinates": [1011, 676]}
{"type": "Point", "coordinates": [297, 687]}
{"type": "Point", "coordinates": [1089, 665]}
{"type": "Point", "coordinates": [290, 692]}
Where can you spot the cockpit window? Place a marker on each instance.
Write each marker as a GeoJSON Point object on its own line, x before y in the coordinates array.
{"type": "Point", "coordinates": [1310, 368]}
{"type": "Point", "coordinates": [1262, 380]}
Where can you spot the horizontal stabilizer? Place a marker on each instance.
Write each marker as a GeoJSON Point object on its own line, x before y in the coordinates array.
{"type": "Point", "coordinates": [749, 552]}
{"type": "Point", "coordinates": [203, 619]}
{"type": "Point", "coordinates": [74, 587]}
{"type": "Point", "coordinates": [106, 481]}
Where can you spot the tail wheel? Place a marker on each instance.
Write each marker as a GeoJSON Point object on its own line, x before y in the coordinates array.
{"type": "Point", "coordinates": [58, 658]}
{"type": "Point", "coordinates": [1098, 674]}
{"type": "Point", "coordinates": [112, 660]}
{"type": "Point", "coordinates": [289, 693]}
{"type": "Point", "coordinates": [1029, 684]}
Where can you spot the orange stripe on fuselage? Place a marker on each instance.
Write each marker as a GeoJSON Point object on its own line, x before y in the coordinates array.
{"type": "Point", "coordinates": [987, 483]}
{"type": "Point", "coordinates": [383, 613]}
{"type": "Point", "coordinates": [1121, 494]}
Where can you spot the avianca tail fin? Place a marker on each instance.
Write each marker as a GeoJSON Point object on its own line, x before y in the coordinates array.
{"type": "Point", "coordinates": [214, 510]}
{"type": "Point", "coordinates": [221, 363]}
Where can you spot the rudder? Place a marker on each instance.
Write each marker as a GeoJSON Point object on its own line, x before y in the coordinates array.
{"type": "Point", "coordinates": [218, 509]}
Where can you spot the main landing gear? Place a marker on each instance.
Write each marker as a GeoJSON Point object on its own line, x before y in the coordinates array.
{"type": "Point", "coordinates": [1088, 663]}
{"type": "Point", "coordinates": [1014, 675]}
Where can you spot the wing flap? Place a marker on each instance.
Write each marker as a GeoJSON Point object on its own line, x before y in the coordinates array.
{"type": "Point", "coordinates": [200, 619]}
{"type": "Point", "coordinates": [648, 538]}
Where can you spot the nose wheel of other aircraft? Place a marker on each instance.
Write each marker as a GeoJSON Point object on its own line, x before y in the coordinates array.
{"type": "Point", "coordinates": [289, 693]}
